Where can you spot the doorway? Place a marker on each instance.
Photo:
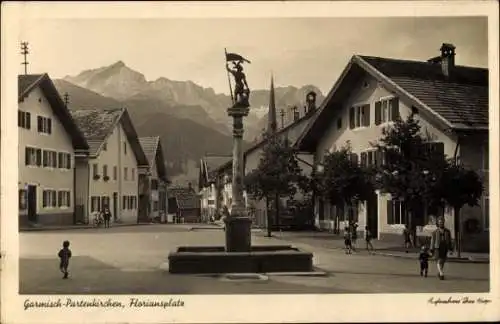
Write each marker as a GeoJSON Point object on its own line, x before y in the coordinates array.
{"type": "Point", "coordinates": [32, 217]}
{"type": "Point", "coordinates": [372, 214]}
{"type": "Point", "coordinates": [115, 205]}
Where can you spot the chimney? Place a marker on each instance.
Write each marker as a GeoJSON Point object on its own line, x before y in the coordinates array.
{"type": "Point", "coordinates": [311, 101]}
{"type": "Point", "coordinates": [447, 58]}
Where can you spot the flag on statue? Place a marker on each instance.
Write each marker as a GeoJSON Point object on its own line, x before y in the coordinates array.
{"type": "Point", "coordinates": [235, 57]}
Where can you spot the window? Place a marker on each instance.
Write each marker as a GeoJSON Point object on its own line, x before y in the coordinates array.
{"type": "Point", "coordinates": [104, 146]}
{"type": "Point", "coordinates": [24, 119]}
{"type": "Point", "coordinates": [49, 159]}
{"type": "Point", "coordinates": [44, 125]}
{"type": "Point", "coordinates": [23, 196]}
{"type": "Point", "coordinates": [154, 184]}
{"type": "Point", "coordinates": [125, 148]}
{"type": "Point", "coordinates": [396, 212]}
{"type": "Point", "coordinates": [354, 158]}
{"type": "Point", "coordinates": [33, 156]}
{"type": "Point", "coordinates": [125, 173]}
{"type": "Point", "coordinates": [63, 198]}
{"type": "Point", "coordinates": [115, 172]}
{"type": "Point", "coordinates": [64, 160]}
{"type": "Point", "coordinates": [359, 116]}
{"type": "Point", "coordinates": [125, 202]}
{"type": "Point", "coordinates": [132, 174]}
{"type": "Point", "coordinates": [155, 206]}
{"type": "Point", "coordinates": [386, 110]}
{"type": "Point", "coordinates": [372, 158]}
{"type": "Point", "coordinates": [105, 170]}
{"type": "Point", "coordinates": [486, 212]}
{"type": "Point", "coordinates": [95, 203]}
{"type": "Point", "coordinates": [49, 199]}
{"type": "Point", "coordinates": [95, 170]}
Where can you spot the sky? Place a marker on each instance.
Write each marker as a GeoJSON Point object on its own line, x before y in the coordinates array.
{"type": "Point", "coordinates": [297, 51]}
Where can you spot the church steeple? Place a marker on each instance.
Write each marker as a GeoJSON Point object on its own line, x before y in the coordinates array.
{"type": "Point", "coordinates": [272, 124]}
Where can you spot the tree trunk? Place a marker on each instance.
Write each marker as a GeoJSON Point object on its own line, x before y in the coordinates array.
{"type": "Point", "coordinates": [268, 216]}
{"type": "Point", "coordinates": [458, 232]}
{"type": "Point", "coordinates": [277, 207]}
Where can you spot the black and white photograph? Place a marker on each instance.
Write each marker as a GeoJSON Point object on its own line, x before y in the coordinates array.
{"type": "Point", "coordinates": [247, 159]}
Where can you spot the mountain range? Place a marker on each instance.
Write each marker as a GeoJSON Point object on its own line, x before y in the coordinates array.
{"type": "Point", "coordinates": [191, 120]}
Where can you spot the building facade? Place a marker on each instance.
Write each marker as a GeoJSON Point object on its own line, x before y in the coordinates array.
{"type": "Point", "coordinates": [153, 183]}
{"type": "Point", "coordinates": [48, 143]}
{"type": "Point", "coordinates": [109, 176]}
{"type": "Point", "coordinates": [451, 104]}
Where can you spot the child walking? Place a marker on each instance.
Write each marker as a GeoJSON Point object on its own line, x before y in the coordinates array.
{"type": "Point", "coordinates": [347, 241]}
{"type": "Point", "coordinates": [368, 240]}
{"type": "Point", "coordinates": [424, 260]}
{"type": "Point", "coordinates": [64, 256]}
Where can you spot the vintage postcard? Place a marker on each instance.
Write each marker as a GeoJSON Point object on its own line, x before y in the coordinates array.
{"type": "Point", "coordinates": [233, 162]}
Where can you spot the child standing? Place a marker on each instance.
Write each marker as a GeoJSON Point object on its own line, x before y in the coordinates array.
{"type": "Point", "coordinates": [424, 261]}
{"type": "Point", "coordinates": [368, 239]}
{"type": "Point", "coordinates": [347, 241]}
{"type": "Point", "coordinates": [64, 256]}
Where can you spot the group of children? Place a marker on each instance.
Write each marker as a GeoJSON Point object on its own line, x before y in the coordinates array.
{"type": "Point", "coordinates": [351, 237]}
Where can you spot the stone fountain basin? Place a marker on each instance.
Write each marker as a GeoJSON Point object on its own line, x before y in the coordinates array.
{"type": "Point", "coordinates": [261, 259]}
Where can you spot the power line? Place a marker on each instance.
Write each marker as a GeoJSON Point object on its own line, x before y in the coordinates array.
{"type": "Point", "coordinates": [25, 52]}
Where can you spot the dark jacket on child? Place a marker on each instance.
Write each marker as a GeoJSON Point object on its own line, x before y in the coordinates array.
{"type": "Point", "coordinates": [64, 255]}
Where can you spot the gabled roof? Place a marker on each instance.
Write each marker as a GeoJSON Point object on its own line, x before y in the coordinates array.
{"type": "Point", "coordinates": [303, 119]}
{"type": "Point", "coordinates": [151, 145]}
{"type": "Point", "coordinates": [29, 82]}
{"type": "Point", "coordinates": [186, 198]}
{"type": "Point", "coordinates": [457, 102]}
{"type": "Point", "coordinates": [210, 164]}
{"type": "Point", "coordinates": [98, 124]}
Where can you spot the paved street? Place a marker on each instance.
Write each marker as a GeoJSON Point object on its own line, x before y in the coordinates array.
{"type": "Point", "coordinates": [131, 260]}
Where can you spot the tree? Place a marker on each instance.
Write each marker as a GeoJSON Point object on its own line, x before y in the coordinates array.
{"type": "Point", "coordinates": [457, 187]}
{"type": "Point", "coordinates": [411, 166]}
{"type": "Point", "coordinates": [343, 181]}
{"type": "Point", "coordinates": [276, 175]}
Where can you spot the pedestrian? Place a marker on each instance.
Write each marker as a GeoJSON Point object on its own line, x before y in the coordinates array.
{"type": "Point", "coordinates": [424, 260]}
{"type": "Point", "coordinates": [107, 217]}
{"type": "Point", "coordinates": [354, 235]}
{"type": "Point", "coordinates": [64, 256]}
{"type": "Point", "coordinates": [368, 240]}
{"type": "Point", "coordinates": [441, 245]}
{"type": "Point", "coordinates": [406, 236]}
{"type": "Point", "coordinates": [347, 240]}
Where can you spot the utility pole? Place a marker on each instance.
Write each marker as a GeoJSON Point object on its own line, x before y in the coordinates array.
{"type": "Point", "coordinates": [66, 99]}
{"type": "Point", "coordinates": [282, 114]}
{"type": "Point", "coordinates": [25, 52]}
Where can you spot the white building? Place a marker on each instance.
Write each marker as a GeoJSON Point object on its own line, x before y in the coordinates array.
{"type": "Point", "coordinates": [110, 175]}
{"type": "Point", "coordinates": [153, 184]}
{"type": "Point", "coordinates": [48, 143]}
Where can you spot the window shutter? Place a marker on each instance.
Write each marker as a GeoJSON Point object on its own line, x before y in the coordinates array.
{"type": "Point", "coordinates": [390, 212]}
{"type": "Point", "coordinates": [44, 198]}
{"type": "Point", "coordinates": [124, 202]}
{"type": "Point", "coordinates": [27, 155]}
{"type": "Point", "coordinates": [54, 198]}
{"type": "Point", "coordinates": [28, 120]}
{"type": "Point", "coordinates": [378, 112]}
{"type": "Point", "coordinates": [60, 159]}
{"type": "Point", "coordinates": [20, 118]}
{"type": "Point", "coordinates": [49, 125]}
{"type": "Point", "coordinates": [395, 108]}
{"type": "Point", "coordinates": [45, 158]}
{"type": "Point", "coordinates": [38, 157]}
{"type": "Point", "coordinates": [59, 198]}
{"type": "Point", "coordinates": [39, 124]}
{"type": "Point", "coordinates": [363, 159]}
{"type": "Point", "coordinates": [351, 117]}
{"type": "Point", "coordinates": [68, 159]}
{"type": "Point", "coordinates": [366, 115]}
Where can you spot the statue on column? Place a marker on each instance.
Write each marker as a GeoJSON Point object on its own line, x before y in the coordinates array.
{"type": "Point", "coordinates": [241, 93]}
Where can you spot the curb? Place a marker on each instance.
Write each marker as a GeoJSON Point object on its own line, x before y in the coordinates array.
{"type": "Point", "coordinates": [37, 229]}
{"type": "Point", "coordinates": [450, 259]}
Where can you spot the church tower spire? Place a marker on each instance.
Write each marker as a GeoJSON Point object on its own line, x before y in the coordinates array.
{"type": "Point", "coordinates": [272, 124]}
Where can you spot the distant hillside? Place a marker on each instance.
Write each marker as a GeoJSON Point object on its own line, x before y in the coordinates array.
{"type": "Point", "coordinates": [185, 99]}
{"type": "Point", "coordinates": [184, 140]}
